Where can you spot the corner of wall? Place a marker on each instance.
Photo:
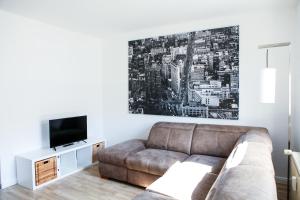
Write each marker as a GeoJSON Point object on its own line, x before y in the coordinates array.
{"type": "Point", "coordinates": [296, 82]}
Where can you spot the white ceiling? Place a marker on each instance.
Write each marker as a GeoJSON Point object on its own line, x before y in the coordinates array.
{"type": "Point", "coordinates": [103, 17]}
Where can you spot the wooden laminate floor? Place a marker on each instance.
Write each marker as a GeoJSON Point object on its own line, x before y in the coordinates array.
{"type": "Point", "coordinates": [86, 185]}
{"type": "Point", "coordinates": [281, 191]}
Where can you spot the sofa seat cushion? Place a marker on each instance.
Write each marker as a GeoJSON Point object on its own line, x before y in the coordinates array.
{"type": "Point", "coordinates": [154, 161]}
{"type": "Point", "coordinates": [186, 180]}
{"type": "Point", "coordinates": [215, 164]}
{"type": "Point", "coordinates": [118, 153]}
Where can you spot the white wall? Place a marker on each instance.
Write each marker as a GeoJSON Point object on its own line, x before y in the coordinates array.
{"type": "Point", "coordinates": [0, 175]}
{"type": "Point", "coordinates": [296, 70]}
{"type": "Point", "coordinates": [45, 72]}
{"type": "Point", "coordinates": [255, 28]}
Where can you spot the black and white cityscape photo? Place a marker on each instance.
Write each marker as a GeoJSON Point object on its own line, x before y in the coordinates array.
{"type": "Point", "coordinates": [194, 74]}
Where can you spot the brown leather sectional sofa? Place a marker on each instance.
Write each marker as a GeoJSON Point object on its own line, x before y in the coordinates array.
{"type": "Point", "coordinates": [195, 161]}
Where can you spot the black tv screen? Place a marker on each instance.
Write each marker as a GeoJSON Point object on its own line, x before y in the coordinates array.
{"type": "Point", "coordinates": [67, 130]}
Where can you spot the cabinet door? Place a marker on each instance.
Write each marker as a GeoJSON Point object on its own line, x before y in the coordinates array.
{"type": "Point", "coordinates": [84, 158]}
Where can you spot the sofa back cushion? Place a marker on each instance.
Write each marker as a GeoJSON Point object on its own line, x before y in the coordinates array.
{"type": "Point", "coordinates": [171, 136]}
{"type": "Point", "coordinates": [216, 140]}
{"type": "Point", "coordinates": [248, 172]}
{"type": "Point", "coordinates": [257, 135]}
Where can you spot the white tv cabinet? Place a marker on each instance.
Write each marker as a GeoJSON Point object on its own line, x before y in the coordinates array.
{"type": "Point", "coordinates": [43, 166]}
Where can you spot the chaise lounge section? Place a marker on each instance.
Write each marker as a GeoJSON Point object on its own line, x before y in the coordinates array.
{"type": "Point", "coordinates": [195, 161]}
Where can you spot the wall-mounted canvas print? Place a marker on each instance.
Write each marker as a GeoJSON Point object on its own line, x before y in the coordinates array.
{"type": "Point", "coordinates": [193, 74]}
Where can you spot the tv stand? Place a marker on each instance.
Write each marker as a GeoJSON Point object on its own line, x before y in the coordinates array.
{"type": "Point", "coordinates": [61, 162]}
{"type": "Point", "coordinates": [84, 141]}
{"type": "Point", "coordinates": [54, 148]}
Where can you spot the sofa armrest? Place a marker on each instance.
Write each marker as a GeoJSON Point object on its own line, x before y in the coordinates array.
{"type": "Point", "coordinates": [118, 153]}
{"type": "Point", "coordinates": [244, 182]}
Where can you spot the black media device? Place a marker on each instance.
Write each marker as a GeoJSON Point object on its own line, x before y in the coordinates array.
{"type": "Point", "coordinates": [65, 131]}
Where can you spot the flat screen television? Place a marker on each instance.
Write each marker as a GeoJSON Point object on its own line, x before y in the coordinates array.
{"type": "Point", "coordinates": [67, 130]}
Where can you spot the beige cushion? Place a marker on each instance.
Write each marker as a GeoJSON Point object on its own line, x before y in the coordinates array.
{"type": "Point", "coordinates": [158, 137]}
{"type": "Point", "coordinates": [252, 154]}
{"type": "Point", "coordinates": [171, 136]}
{"type": "Point", "coordinates": [154, 161]}
{"type": "Point", "coordinates": [117, 154]}
{"type": "Point", "coordinates": [253, 150]}
{"type": "Point", "coordinates": [216, 140]}
{"type": "Point", "coordinates": [215, 163]}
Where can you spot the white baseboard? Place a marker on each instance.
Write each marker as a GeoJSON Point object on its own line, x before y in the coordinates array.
{"type": "Point", "coordinates": [280, 179]}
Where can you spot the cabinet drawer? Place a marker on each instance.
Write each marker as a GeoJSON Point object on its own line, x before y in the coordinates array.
{"type": "Point", "coordinates": [44, 165]}
{"type": "Point", "coordinates": [96, 147]}
{"type": "Point", "coordinates": [45, 170]}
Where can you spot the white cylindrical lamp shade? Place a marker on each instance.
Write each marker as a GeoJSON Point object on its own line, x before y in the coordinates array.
{"type": "Point", "coordinates": [268, 85]}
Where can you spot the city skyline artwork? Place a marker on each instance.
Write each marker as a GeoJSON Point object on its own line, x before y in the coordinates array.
{"type": "Point", "coordinates": [193, 74]}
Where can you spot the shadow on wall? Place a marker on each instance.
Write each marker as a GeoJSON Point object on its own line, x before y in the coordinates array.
{"type": "Point", "coordinates": [45, 133]}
